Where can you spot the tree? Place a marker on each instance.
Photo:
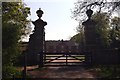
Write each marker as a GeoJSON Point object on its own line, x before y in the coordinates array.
{"type": "Point", "coordinates": [16, 13]}
{"type": "Point", "coordinates": [108, 27]}
{"type": "Point", "coordinates": [102, 27]}
{"type": "Point", "coordinates": [115, 32]}
{"type": "Point", "coordinates": [101, 8]}
{"type": "Point", "coordinates": [76, 38]}
{"type": "Point", "coordinates": [79, 38]}
{"type": "Point", "coordinates": [14, 25]}
{"type": "Point", "coordinates": [97, 5]}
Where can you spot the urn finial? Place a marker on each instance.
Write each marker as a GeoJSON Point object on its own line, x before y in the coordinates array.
{"type": "Point", "coordinates": [89, 12]}
{"type": "Point", "coordinates": [39, 13]}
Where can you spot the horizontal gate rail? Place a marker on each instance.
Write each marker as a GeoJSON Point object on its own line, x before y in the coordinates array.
{"type": "Point", "coordinates": [65, 65]}
{"type": "Point", "coordinates": [64, 53]}
{"type": "Point", "coordinates": [63, 59]}
{"type": "Point", "coordinates": [76, 57]}
{"type": "Point", "coordinates": [63, 62]}
{"type": "Point", "coordinates": [54, 59]}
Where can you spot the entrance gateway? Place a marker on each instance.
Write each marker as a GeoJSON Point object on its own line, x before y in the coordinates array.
{"type": "Point", "coordinates": [37, 53]}
{"type": "Point", "coordinates": [93, 52]}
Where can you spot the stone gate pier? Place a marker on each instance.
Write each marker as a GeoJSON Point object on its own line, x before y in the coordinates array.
{"type": "Point", "coordinates": [93, 45]}
{"type": "Point", "coordinates": [36, 41]}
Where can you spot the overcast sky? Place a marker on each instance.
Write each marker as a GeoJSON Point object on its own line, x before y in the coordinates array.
{"type": "Point", "coordinates": [57, 14]}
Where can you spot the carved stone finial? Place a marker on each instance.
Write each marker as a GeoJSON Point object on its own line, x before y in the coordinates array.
{"type": "Point", "coordinates": [39, 12]}
{"type": "Point", "coordinates": [89, 12]}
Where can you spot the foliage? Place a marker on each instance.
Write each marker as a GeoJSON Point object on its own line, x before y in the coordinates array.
{"type": "Point", "coordinates": [16, 12]}
{"type": "Point", "coordinates": [109, 71]}
{"type": "Point", "coordinates": [14, 24]}
{"type": "Point", "coordinates": [115, 32]}
{"type": "Point", "coordinates": [79, 37]}
{"type": "Point", "coordinates": [102, 27]}
{"type": "Point", "coordinates": [108, 27]}
{"type": "Point", "coordinates": [10, 42]}
{"type": "Point", "coordinates": [103, 10]}
{"type": "Point", "coordinates": [76, 38]}
{"type": "Point", "coordinates": [97, 5]}
{"type": "Point", "coordinates": [10, 71]}
{"type": "Point", "coordinates": [108, 30]}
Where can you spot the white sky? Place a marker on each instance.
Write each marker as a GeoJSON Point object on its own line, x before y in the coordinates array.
{"type": "Point", "coordinates": [57, 15]}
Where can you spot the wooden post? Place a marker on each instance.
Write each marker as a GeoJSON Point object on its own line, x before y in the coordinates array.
{"type": "Point", "coordinates": [66, 59]}
{"type": "Point", "coordinates": [25, 64]}
{"type": "Point", "coordinates": [41, 59]}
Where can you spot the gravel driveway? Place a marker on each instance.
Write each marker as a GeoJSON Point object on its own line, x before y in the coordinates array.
{"type": "Point", "coordinates": [62, 72]}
